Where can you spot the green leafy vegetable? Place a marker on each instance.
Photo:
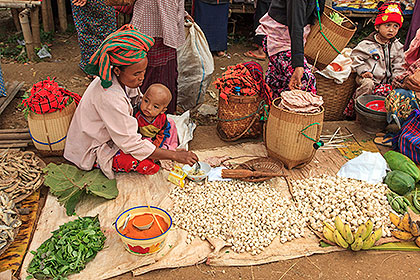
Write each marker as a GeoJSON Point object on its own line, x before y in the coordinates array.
{"type": "Point", "coordinates": [69, 184]}
{"type": "Point", "coordinates": [68, 250]}
{"type": "Point", "coordinates": [336, 18]}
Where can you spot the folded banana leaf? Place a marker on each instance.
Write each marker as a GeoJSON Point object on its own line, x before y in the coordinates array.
{"type": "Point", "coordinates": [400, 246]}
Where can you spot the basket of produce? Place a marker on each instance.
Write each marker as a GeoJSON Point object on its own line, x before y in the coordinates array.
{"type": "Point", "coordinates": [49, 109]}
{"type": "Point", "coordinates": [243, 94]}
{"type": "Point", "coordinates": [143, 229]}
{"type": "Point", "coordinates": [20, 174]}
{"type": "Point", "coordinates": [9, 222]}
{"type": "Point", "coordinates": [335, 96]}
{"type": "Point", "coordinates": [337, 28]}
{"type": "Point", "coordinates": [292, 137]}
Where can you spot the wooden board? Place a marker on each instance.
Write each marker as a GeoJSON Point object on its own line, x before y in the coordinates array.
{"type": "Point", "coordinates": [11, 91]}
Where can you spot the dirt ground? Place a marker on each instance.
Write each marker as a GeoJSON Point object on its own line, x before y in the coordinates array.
{"type": "Point", "coordinates": [343, 265]}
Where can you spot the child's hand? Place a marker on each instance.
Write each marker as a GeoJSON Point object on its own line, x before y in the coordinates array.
{"type": "Point", "coordinates": [367, 75]}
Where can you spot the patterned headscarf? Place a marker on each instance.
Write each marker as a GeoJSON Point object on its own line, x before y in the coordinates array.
{"type": "Point", "coordinates": [126, 46]}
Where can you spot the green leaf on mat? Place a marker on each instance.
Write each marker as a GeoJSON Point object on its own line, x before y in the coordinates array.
{"type": "Point", "coordinates": [400, 246]}
{"type": "Point", "coordinates": [324, 245]}
{"type": "Point", "coordinates": [69, 184]}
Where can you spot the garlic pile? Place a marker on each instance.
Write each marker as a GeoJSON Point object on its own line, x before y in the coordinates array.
{"type": "Point", "coordinates": [246, 215]}
{"type": "Point", "coordinates": [324, 198]}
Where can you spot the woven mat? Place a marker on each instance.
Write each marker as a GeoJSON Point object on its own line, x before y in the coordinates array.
{"type": "Point", "coordinates": [353, 149]}
{"type": "Point", "coordinates": [135, 189]}
{"type": "Point", "coordinates": [13, 256]}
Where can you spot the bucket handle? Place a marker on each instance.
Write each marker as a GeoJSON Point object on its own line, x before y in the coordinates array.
{"type": "Point", "coordinates": [317, 144]}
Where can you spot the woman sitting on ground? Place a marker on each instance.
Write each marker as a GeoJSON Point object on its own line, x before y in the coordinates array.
{"type": "Point", "coordinates": [103, 131]}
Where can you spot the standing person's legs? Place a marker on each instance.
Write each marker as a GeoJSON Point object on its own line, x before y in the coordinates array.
{"type": "Point", "coordinates": [213, 20]}
{"type": "Point", "coordinates": [93, 22]}
{"type": "Point", "coordinates": [162, 68]}
{"type": "Point", "coordinates": [260, 10]}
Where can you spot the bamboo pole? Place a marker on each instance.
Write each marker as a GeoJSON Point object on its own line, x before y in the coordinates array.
{"type": "Point", "coordinates": [15, 136]}
{"type": "Point", "coordinates": [27, 34]}
{"type": "Point", "coordinates": [14, 130]}
{"type": "Point", "coordinates": [15, 14]}
{"type": "Point", "coordinates": [17, 5]}
{"type": "Point", "coordinates": [50, 16]}
{"type": "Point", "coordinates": [44, 13]}
{"type": "Point", "coordinates": [7, 142]}
{"type": "Point", "coordinates": [35, 27]}
{"type": "Point", "coordinates": [62, 15]}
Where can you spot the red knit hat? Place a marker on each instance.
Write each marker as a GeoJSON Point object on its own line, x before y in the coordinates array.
{"type": "Point", "coordinates": [389, 12]}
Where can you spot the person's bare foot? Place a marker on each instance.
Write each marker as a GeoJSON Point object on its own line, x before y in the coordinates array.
{"type": "Point", "coordinates": [221, 53]}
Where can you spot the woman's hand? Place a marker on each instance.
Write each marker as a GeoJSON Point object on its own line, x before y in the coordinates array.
{"type": "Point", "coordinates": [367, 75]}
{"type": "Point", "coordinates": [296, 79]}
{"type": "Point", "coordinates": [188, 17]}
{"type": "Point", "coordinates": [80, 3]}
{"type": "Point", "coordinates": [186, 157]}
{"type": "Point", "coordinates": [413, 82]}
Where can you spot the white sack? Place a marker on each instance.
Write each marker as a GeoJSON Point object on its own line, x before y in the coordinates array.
{"type": "Point", "coordinates": [185, 129]}
{"type": "Point", "coordinates": [195, 67]}
{"type": "Point", "coordinates": [345, 62]}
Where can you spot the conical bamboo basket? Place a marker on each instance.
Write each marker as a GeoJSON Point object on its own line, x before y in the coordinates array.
{"type": "Point", "coordinates": [283, 138]}
{"type": "Point", "coordinates": [49, 131]}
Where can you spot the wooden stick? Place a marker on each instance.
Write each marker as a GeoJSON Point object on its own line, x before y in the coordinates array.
{"type": "Point", "coordinates": [62, 15]}
{"type": "Point", "coordinates": [44, 14]}
{"type": "Point", "coordinates": [13, 145]}
{"type": "Point", "coordinates": [35, 27]}
{"type": "Point", "coordinates": [153, 214]}
{"type": "Point", "coordinates": [50, 17]}
{"type": "Point", "coordinates": [15, 14]}
{"type": "Point", "coordinates": [14, 136]}
{"type": "Point", "coordinates": [15, 130]}
{"type": "Point", "coordinates": [244, 173]}
{"type": "Point", "coordinates": [14, 141]}
{"type": "Point", "coordinates": [27, 34]}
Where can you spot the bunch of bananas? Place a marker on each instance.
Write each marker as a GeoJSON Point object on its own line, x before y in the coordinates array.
{"type": "Point", "coordinates": [408, 227]}
{"type": "Point", "coordinates": [398, 203]}
{"type": "Point", "coordinates": [364, 238]}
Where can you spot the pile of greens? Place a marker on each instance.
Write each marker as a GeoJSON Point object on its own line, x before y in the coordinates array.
{"type": "Point", "coordinates": [336, 18]}
{"type": "Point", "coordinates": [68, 250]}
{"type": "Point", "coordinates": [69, 184]}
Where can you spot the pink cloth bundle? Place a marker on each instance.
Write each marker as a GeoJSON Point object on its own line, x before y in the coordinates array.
{"type": "Point", "coordinates": [300, 101]}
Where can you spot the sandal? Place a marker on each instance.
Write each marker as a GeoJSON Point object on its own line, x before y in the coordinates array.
{"type": "Point", "coordinates": [221, 54]}
{"type": "Point", "coordinates": [250, 54]}
{"type": "Point", "coordinates": [383, 141]}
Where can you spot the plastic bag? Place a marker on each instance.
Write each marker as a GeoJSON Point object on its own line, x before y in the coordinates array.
{"type": "Point", "coordinates": [195, 67]}
{"type": "Point", "coordinates": [369, 167]}
{"type": "Point", "coordinates": [340, 68]}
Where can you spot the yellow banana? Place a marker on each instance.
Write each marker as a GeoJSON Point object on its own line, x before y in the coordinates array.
{"type": "Point", "coordinates": [369, 228]}
{"type": "Point", "coordinates": [357, 244]}
{"type": "Point", "coordinates": [328, 234]}
{"type": "Point", "coordinates": [417, 242]}
{"type": "Point", "coordinates": [403, 235]}
{"type": "Point", "coordinates": [405, 223]}
{"type": "Point", "coordinates": [339, 240]}
{"type": "Point", "coordinates": [378, 234]}
{"type": "Point", "coordinates": [369, 242]}
{"type": "Point", "coordinates": [361, 231]}
{"type": "Point", "coordinates": [348, 235]}
{"type": "Point", "coordinates": [395, 220]}
{"type": "Point", "coordinates": [329, 226]}
{"type": "Point", "coordinates": [339, 225]}
{"type": "Point", "coordinates": [414, 229]}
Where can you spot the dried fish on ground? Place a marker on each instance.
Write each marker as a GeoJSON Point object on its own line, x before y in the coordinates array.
{"type": "Point", "coordinates": [20, 173]}
{"type": "Point", "coordinates": [9, 221]}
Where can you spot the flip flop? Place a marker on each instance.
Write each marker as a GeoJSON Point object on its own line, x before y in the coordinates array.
{"type": "Point", "coordinates": [386, 142]}
{"type": "Point", "coordinates": [250, 54]}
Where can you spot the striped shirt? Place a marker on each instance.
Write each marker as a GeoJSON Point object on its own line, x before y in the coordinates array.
{"type": "Point", "coordinates": [162, 19]}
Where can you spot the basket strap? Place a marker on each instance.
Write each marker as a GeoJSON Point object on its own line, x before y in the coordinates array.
{"type": "Point", "coordinates": [317, 144]}
{"type": "Point", "coordinates": [260, 106]}
{"type": "Point", "coordinates": [320, 28]}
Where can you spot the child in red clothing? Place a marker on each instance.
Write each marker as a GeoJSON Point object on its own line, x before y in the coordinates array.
{"type": "Point", "coordinates": [154, 126]}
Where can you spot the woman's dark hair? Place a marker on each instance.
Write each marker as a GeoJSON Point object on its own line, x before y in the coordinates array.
{"type": "Point", "coordinates": [122, 67]}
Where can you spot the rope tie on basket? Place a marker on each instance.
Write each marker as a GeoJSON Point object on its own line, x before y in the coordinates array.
{"type": "Point", "coordinates": [260, 106]}
{"type": "Point", "coordinates": [320, 28]}
{"type": "Point", "coordinates": [317, 144]}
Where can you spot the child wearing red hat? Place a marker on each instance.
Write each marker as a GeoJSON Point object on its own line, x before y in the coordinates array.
{"type": "Point", "coordinates": [380, 56]}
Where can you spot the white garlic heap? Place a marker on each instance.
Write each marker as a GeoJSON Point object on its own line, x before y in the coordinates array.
{"type": "Point", "coordinates": [324, 198]}
{"type": "Point", "coordinates": [246, 215]}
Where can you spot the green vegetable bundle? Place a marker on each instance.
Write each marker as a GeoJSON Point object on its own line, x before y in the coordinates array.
{"type": "Point", "coordinates": [68, 251]}
{"type": "Point", "coordinates": [69, 184]}
{"type": "Point", "coordinates": [336, 18]}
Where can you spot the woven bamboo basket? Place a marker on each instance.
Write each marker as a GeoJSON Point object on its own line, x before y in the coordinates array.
{"type": "Point", "coordinates": [264, 164]}
{"type": "Point", "coordinates": [284, 140]}
{"type": "Point", "coordinates": [49, 131]}
{"type": "Point", "coordinates": [317, 48]}
{"type": "Point", "coordinates": [239, 117]}
{"type": "Point", "coordinates": [335, 96]}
